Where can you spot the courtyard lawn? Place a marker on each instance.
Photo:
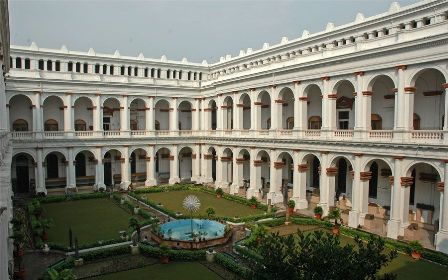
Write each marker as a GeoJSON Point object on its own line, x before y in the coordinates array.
{"type": "Point", "coordinates": [91, 220]}
{"type": "Point", "coordinates": [403, 265]}
{"type": "Point", "coordinates": [180, 270]}
{"type": "Point", "coordinates": [173, 201]}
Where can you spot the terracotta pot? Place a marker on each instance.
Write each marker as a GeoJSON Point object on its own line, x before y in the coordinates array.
{"type": "Point", "coordinates": [416, 255]}
{"type": "Point", "coordinates": [45, 236]}
{"type": "Point", "coordinates": [291, 210]}
{"type": "Point", "coordinates": [19, 253]}
{"type": "Point", "coordinates": [20, 274]}
{"type": "Point", "coordinates": [253, 206]}
{"type": "Point", "coordinates": [164, 259]}
{"type": "Point", "coordinates": [318, 216]}
{"type": "Point", "coordinates": [218, 196]}
{"type": "Point", "coordinates": [335, 230]}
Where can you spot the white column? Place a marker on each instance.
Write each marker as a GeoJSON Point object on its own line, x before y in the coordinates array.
{"type": "Point", "coordinates": [99, 169]}
{"type": "Point", "coordinates": [38, 115]}
{"type": "Point", "coordinates": [71, 174]}
{"type": "Point", "coordinates": [219, 114]}
{"type": "Point", "coordinates": [219, 166]}
{"type": "Point", "coordinates": [196, 163]}
{"type": "Point", "coordinates": [254, 111]}
{"type": "Point", "coordinates": [174, 118]}
{"type": "Point", "coordinates": [195, 115]}
{"type": "Point", "coordinates": [275, 195]}
{"type": "Point", "coordinates": [445, 118]}
{"type": "Point", "coordinates": [299, 183]}
{"type": "Point", "coordinates": [298, 108]}
{"type": "Point", "coordinates": [255, 175]}
{"type": "Point", "coordinates": [393, 225]}
{"type": "Point", "coordinates": [404, 102]}
{"type": "Point", "coordinates": [326, 184]}
{"type": "Point", "coordinates": [40, 176]}
{"type": "Point", "coordinates": [125, 169]}
{"type": "Point", "coordinates": [359, 100]}
{"type": "Point", "coordinates": [174, 166]}
{"type": "Point", "coordinates": [150, 114]}
{"type": "Point", "coordinates": [237, 175]}
{"type": "Point", "coordinates": [124, 114]}
{"type": "Point", "coordinates": [97, 116]}
{"type": "Point", "coordinates": [68, 114]}
{"type": "Point", "coordinates": [150, 161]}
{"type": "Point", "coordinates": [274, 109]}
{"type": "Point", "coordinates": [442, 236]}
{"type": "Point", "coordinates": [205, 116]}
{"type": "Point", "coordinates": [237, 114]}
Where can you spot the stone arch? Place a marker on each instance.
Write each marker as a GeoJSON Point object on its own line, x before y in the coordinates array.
{"type": "Point", "coordinates": [85, 167]}
{"type": "Point", "coordinates": [286, 112]}
{"type": "Point", "coordinates": [20, 107]}
{"type": "Point", "coordinates": [162, 110]}
{"type": "Point", "coordinates": [264, 101]}
{"type": "Point", "coordinates": [83, 110]}
{"type": "Point", "coordinates": [185, 163]}
{"type": "Point", "coordinates": [23, 176]}
{"type": "Point", "coordinates": [185, 109]}
{"type": "Point", "coordinates": [245, 105]}
{"type": "Point", "coordinates": [111, 113]}
{"type": "Point", "coordinates": [345, 104]}
{"type": "Point", "coordinates": [137, 114]}
{"type": "Point", "coordinates": [227, 113]}
{"type": "Point", "coordinates": [312, 95]}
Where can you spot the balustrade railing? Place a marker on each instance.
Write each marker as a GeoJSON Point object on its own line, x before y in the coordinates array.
{"type": "Point", "coordinates": [427, 134]}
{"type": "Point", "coordinates": [312, 133]}
{"type": "Point", "coordinates": [110, 133]}
{"type": "Point", "coordinates": [185, 132]}
{"type": "Point", "coordinates": [381, 134]}
{"type": "Point", "coordinates": [54, 134]}
{"type": "Point", "coordinates": [343, 133]}
{"type": "Point", "coordinates": [22, 134]}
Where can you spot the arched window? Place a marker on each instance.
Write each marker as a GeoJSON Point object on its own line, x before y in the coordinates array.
{"type": "Point", "coordinates": [159, 73]}
{"type": "Point", "coordinates": [200, 76]}
{"type": "Point", "coordinates": [122, 70]}
{"type": "Point", "coordinates": [290, 123]}
{"type": "Point", "coordinates": [51, 125]}
{"type": "Point", "coordinates": [376, 122]}
{"type": "Point", "coordinates": [78, 67]}
{"type": "Point", "coordinates": [57, 66]}
{"type": "Point", "coordinates": [86, 68]}
{"type": "Point", "coordinates": [189, 76]}
{"type": "Point", "coordinates": [80, 125]}
{"type": "Point", "coordinates": [18, 62]}
{"type": "Point", "coordinates": [134, 125]}
{"type": "Point", "coordinates": [153, 72]}
{"type": "Point", "coordinates": [180, 75]}
{"type": "Point", "coordinates": [168, 74]}
{"type": "Point", "coordinates": [416, 122]}
{"type": "Point", "coordinates": [20, 125]}
{"type": "Point", "coordinates": [41, 64]}
{"type": "Point", "coordinates": [49, 65]}
{"type": "Point", "coordinates": [129, 70]}
{"type": "Point", "coordinates": [136, 71]}
{"type": "Point", "coordinates": [97, 68]}
{"type": "Point", "coordinates": [146, 72]}
{"type": "Point", "coordinates": [195, 76]}
{"type": "Point", "coordinates": [27, 63]}
{"type": "Point", "coordinates": [174, 74]}
{"type": "Point", "coordinates": [111, 69]}
{"type": "Point", "coordinates": [104, 69]}
{"type": "Point", "coordinates": [314, 122]}
{"type": "Point", "coordinates": [373, 183]}
{"type": "Point", "coordinates": [70, 66]}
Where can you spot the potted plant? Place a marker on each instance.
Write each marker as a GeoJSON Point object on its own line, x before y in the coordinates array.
{"type": "Point", "coordinates": [164, 256]}
{"type": "Point", "coordinates": [19, 238]}
{"type": "Point", "coordinates": [210, 212]}
{"type": "Point", "coordinates": [253, 202]}
{"type": "Point", "coordinates": [318, 211]}
{"type": "Point", "coordinates": [416, 249]}
{"type": "Point", "coordinates": [65, 274]}
{"type": "Point", "coordinates": [219, 192]}
{"type": "Point", "coordinates": [291, 205]}
{"type": "Point", "coordinates": [335, 215]}
{"type": "Point", "coordinates": [45, 225]}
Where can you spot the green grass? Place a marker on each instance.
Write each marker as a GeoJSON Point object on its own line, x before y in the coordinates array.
{"type": "Point", "coordinates": [403, 265]}
{"type": "Point", "coordinates": [173, 201]}
{"type": "Point", "coordinates": [91, 220]}
{"type": "Point", "coordinates": [180, 270]}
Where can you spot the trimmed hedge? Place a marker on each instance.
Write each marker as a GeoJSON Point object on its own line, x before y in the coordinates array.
{"type": "Point", "coordinates": [61, 198]}
{"type": "Point", "coordinates": [179, 255]}
{"type": "Point", "coordinates": [229, 264]}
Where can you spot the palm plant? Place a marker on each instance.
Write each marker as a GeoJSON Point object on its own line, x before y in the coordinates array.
{"type": "Point", "coordinates": [134, 224]}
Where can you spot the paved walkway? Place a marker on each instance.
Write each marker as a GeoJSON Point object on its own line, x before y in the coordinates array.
{"type": "Point", "coordinates": [36, 263]}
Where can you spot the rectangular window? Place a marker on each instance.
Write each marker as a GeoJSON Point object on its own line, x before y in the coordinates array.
{"type": "Point", "coordinates": [106, 123]}
{"type": "Point", "coordinates": [41, 64]}
{"type": "Point", "coordinates": [58, 66]}
{"type": "Point", "coordinates": [343, 117]}
{"type": "Point", "coordinates": [97, 68]}
{"type": "Point", "coordinates": [70, 67]}
{"type": "Point", "coordinates": [27, 63]}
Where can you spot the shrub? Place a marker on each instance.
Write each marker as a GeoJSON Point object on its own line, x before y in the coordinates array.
{"type": "Point", "coordinates": [318, 210]}
{"type": "Point", "coordinates": [219, 192]}
{"type": "Point", "coordinates": [291, 203]}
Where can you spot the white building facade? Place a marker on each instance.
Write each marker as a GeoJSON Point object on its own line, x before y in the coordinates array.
{"type": "Point", "coordinates": [355, 116]}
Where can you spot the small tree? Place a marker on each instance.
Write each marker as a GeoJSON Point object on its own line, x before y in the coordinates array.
{"type": "Point", "coordinates": [210, 212]}
{"type": "Point", "coordinates": [219, 192]}
{"type": "Point", "coordinates": [134, 224]}
{"type": "Point", "coordinates": [45, 225]}
{"type": "Point", "coordinates": [416, 249]}
{"type": "Point", "coordinates": [335, 215]}
{"type": "Point", "coordinates": [253, 202]}
{"type": "Point", "coordinates": [318, 211]}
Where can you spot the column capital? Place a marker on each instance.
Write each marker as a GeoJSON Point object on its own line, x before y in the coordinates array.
{"type": "Point", "coordinates": [331, 171]}
{"type": "Point", "coordinates": [406, 181]}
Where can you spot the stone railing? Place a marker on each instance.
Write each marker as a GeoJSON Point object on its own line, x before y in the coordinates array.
{"type": "Point", "coordinates": [381, 134]}
{"type": "Point", "coordinates": [343, 133]}
{"type": "Point", "coordinates": [427, 134]}
{"type": "Point", "coordinates": [415, 136]}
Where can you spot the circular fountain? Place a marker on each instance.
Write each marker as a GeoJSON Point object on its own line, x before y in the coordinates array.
{"type": "Point", "coordinates": [192, 233]}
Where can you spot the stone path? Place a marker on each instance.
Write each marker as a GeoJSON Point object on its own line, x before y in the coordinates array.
{"type": "Point", "coordinates": [35, 263]}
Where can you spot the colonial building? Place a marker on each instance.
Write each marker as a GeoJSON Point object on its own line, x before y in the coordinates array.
{"type": "Point", "coordinates": [6, 247]}
{"type": "Point", "coordinates": [355, 116]}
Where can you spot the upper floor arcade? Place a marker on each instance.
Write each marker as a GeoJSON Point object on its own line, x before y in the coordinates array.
{"type": "Point", "coordinates": [406, 104]}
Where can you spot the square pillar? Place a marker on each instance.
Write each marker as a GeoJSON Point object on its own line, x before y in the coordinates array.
{"type": "Point", "coordinates": [174, 166]}
{"type": "Point", "coordinates": [150, 161]}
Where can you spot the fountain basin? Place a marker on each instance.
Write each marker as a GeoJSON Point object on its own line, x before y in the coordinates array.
{"type": "Point", "coordinates": [206, 233]}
